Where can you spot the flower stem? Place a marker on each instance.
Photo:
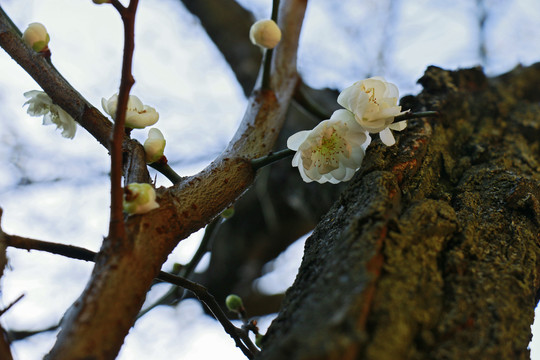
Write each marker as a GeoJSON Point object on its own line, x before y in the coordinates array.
{"type": "Point", "coordinates": [275, 8]}
{"type": "Point", "coordinates": [204, 247]}
{"type": "Point", "coordinates": [267, 62]}
{"type": "Point", "coordinates": [172, 296]}
{"type": "Point", "coordinates": [271, 158]}
{"type": "Point", "coordinates": [166, 170]}
{"type": "Point", "coordinates": [267, 67]}
{"type": "Point", "coordinates": [417, 115]}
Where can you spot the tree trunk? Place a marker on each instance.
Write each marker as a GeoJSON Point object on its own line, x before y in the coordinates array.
{"type": "Point", "coordinates": [433, 251]}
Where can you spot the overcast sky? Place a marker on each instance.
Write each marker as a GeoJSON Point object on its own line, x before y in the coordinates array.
{"type": "Point", "coordinates": [57, 190]}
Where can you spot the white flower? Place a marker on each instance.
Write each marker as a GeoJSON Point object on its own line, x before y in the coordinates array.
{"type": "Point", "coordinates": [374, 104]}
{"type": "Point", "coordinates": [39, 103]}
{"type": "Point", "coordinates": [139, 198]}
{"type": "Point", "coordinates": [332, 151]}
{"type": "Point", "coordinates": [154, 146]}
{"type": "Point", "coordinates": [138, 115]}
{"type": "Point", "coordinates": [265, 33]}
{"type": "Point", "coordinates": [36, 37]}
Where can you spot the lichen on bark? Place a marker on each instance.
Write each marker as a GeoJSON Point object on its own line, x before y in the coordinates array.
{"type": "Point", "coordinates": [432, 252]}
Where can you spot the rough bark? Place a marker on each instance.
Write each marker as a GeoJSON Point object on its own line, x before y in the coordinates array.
{"type": "Point", "coordinates": [433, 251]}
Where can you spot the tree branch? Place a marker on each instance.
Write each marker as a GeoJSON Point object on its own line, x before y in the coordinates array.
{"type": "Point", "coordinates": [109, 305]}
{"type": "Point", "coordinates": [50, 80]}
{"type": "Point", "coordinates": [240, 337]}
{"type": "Point", "coordinates": [70, 251]}
{"type": "Point", "coordinates": [63, 94]}
{"type": "Point", "coordinates": [117, 231]}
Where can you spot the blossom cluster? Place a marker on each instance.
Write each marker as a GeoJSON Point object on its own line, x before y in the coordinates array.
{"type": "Point", "coordinates": [139, 116]}
{"type": "Point", "coordinates": [335, 148]}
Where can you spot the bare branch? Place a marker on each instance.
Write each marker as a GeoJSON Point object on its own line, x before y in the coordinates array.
{"type": "Point", "coordinates": [117, 231]}
{"type": "Point", "coordinates": [70, 251]}
{"type": "Point", "coordinates": [240, 337]}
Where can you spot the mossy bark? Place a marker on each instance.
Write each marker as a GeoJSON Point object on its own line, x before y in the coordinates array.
{"type": "Point", "coordinates": [433, 251]}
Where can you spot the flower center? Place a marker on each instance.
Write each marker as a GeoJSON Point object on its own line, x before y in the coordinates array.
{"type": "Point", "coordinates": [325, 156]}
{"type": "Point", "coordinates": [371, 94]}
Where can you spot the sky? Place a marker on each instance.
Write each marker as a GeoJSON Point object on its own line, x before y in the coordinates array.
{"type": "Point", "coordinates": [56, 189]}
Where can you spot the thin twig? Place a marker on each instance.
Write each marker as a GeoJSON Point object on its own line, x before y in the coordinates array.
{"type": "Point", "coordinates": [171, 295]}
{"type": "Point", "coordinates": [3, 311]}
{"type": "Point", "coordinates": [240, 337]}
{"type": "Point", "coordinates": [271, 158]}
{"type": "Point", "coordinates": [118, 5]}
{"type": "Point", "coordinates": [74, 252]}
{"type": "Point", "coordinates": [116, 227]}
{"type": "Point", "coordinates": [15, 335]}
{"type": "Point", "coordinates": [267, 69]}
{"type": "Point", "coordinates": [416, 115]}
{"type": "Point", "coordinates": [267, 61]}
{"type": "Point", "coordinates": [275, 8]}
{"type": "Point", "coordinates": [70, 251]}
{"type": "Point", "coordinates": [204, 247]}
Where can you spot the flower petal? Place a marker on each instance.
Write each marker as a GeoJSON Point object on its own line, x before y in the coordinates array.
{"type": "Point", "coordinates": [135, 104]}
{"type": "Point", "coordinates": [399, 126]}
{"type": "Point", "coordinates": [386, 137]}
{"type": "Point", "coordinates": [353, 98]}
{"type": "Point", "coordinates": [391, 91]}
{"type": "Point", "coordinates": [294, 141]}
{"type": "Point", "coordinates": [339, 173]}
{"type": "Point", "coordinates": [303, 175]}
{"type": "Point", "coordinates": [136, 120]}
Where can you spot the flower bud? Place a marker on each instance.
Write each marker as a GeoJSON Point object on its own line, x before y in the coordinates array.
{"type": "Point", "coordinates": [36, 37]}
{"type": "Point", "coordinates": [265, 33]}
{"type": "Point", "coordinates": [139, 198]}
{"type": "Point", "coordinates": [228, 213]}
{"type": "Point", "coordinates": [234, 303]}
{"type": "Point", "coordinates": [154, 146]}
